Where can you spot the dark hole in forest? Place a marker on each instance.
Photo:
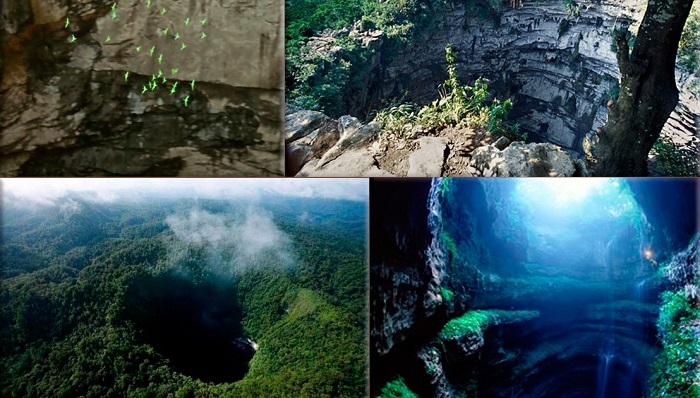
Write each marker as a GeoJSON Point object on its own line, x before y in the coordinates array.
{"type": "Point", "coordinates": [197, 326]}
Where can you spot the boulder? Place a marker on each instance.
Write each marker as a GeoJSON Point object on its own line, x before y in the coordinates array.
{"type": "Point", "coordinates": [524, 160]}
{"type": "Point", "coordinates": [429, 159]}
{"type": "Point", "coordinates": [353, 135]}
{"type": "Point", "coordinates": [300, 123]}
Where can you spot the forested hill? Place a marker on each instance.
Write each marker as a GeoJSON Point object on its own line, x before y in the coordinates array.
{"type": "Point", "coordinates": [182, 298]}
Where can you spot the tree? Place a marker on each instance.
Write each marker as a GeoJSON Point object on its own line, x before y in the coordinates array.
{"type": "Point", "coordinates": [648, 92]}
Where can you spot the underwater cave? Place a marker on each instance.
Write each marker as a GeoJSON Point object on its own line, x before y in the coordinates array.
{"type": "Point", "coordinates": [196, 326]}
{"type": "Point", "coordinates": [528, 288]}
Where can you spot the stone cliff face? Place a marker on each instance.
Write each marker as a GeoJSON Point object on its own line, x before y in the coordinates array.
{"type": "Point", "coordinates": [557, 66]}
{"type": "Point", "coordinates": [203, 97]}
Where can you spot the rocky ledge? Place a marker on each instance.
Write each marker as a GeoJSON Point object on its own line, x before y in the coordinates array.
{"type": "Point", "coordinates": [318, 146]}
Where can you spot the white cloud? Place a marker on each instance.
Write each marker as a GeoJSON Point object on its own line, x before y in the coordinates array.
{"type": "Point", "coordinates": [47, 190]}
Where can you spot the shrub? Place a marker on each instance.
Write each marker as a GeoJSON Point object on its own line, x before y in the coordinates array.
{"type": "Point", "coordinates": [451, 246]}
{"type": "Point", "coordinates": [672, 160]}
{"type": "Point", "coordinates": [676, 371]}
{"type": "Point", "coordinates": [689, 46]}
{"type": "Point", "coordinates": [447, 294]}
{"type": "Point", "coordinates": [458, 104]}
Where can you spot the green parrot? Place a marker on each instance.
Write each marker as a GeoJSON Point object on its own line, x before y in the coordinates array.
{"type": "Point", "coordinates": [186, 100]}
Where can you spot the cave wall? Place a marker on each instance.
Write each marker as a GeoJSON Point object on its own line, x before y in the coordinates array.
{"type": "Point", "coordinates": [559, 69]}
{"type": "Point", "coordinates": [69, 109]}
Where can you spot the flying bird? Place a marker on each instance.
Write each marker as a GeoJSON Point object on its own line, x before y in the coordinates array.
{"type": "Point", "coordinates": [164, 80]}
{"type": "Point", "coordinates": [187, 22]}
{"type": "Point", "coordinates": [187, 99]}
{"type": "Point", "coordinates": [148, 3]}
{"type": "Point", "coordinates": [165, 31]}
{"type": "Point", "coordinates": [72, 38]}
{"type": "Point", "coordinates": [126, 75]}
{"type": "Point", "coordinates": [144, 89]}
{"type": "Point", "coordinates": [174, 72]}
{"type": "Point", "coordinates": [172, 90]}
{"type": "Point", "coordinates": [160, 73]}
{"type": "Point", "coordinates": [114, 5]}
{"type": "Point", "coordinates": [67, 22]}
{"type": "Point", "coordinates": [192, 85]}
{"type": "Point", "coordinates": [151, 52]}
{"type": "Point", "coordinates": [114, 15]}
{"type": "Point", "coordinates": [138, 49]}
{"type": "Point", "coordinates": [108, 39]}
{"type": "Point", "coordinates": [204, 35]}
{"type": "Point", "coordinates": [163, 11]}
{"type": "Point", "coordinates": [177, 35]}
{"type": "Point", "coordinates": [160, 59]}
{"type": "Point", "coordinates": [183, 46]}
{"type": "Point", "coordinates": [204, 21]}
{"type": "Point", "coordinates": [153, 85]}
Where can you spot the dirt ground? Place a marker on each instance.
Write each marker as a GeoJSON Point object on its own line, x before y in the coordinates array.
{"type": "Point", "coordinates": [392, 152]}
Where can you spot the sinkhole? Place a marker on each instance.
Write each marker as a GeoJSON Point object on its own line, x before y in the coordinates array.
{"type": "Point", "coordinates": [197, 326]}
{"type": "Point", "coordinates": [528, 288]}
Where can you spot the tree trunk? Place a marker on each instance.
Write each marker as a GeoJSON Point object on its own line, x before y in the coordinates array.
{"type": "Point", "coordinates": [648, 92]}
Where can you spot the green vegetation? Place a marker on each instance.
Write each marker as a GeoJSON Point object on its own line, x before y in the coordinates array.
{"type": "Point", "coordinates": [458, 105]}
{"type": "Point", "coordinates": [451, 245]}
{"type": "Point", "coordinates": [677, 369]}
{"type": "Point", "coordinates": [689, 46]}
{"type": "Point", "coordinates": [445, 185]}
{"type": "Point", "coordinates": [102, 301]}
{"type": "Point", "coordinates": [318, 81]}
{"type": "Point", "coordinates": [572, 8]}
{"type": "Point", "coordinates": [446, 293]}
{"type": "Point", "coordinates": [473, 322]}
{"type": "Point", "coordinates": [397, 389]}
{"type": "Point", "coordinates": [673, 160]}
{"type": "Point", "coordinates": [476, 321]}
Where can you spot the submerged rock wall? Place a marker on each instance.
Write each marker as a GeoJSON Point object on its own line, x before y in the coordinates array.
{"type": "Point", "coordinates": [69, 107]}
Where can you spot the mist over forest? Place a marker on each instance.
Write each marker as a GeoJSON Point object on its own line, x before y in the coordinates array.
{"type": "Point", "coordinates": [150, 293]}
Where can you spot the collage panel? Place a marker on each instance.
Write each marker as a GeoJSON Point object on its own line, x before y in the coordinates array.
{"type": "Point", "coordinates": [520, 88]}
{"type": "Point", "coordinates": [534, 288]}
{"type": "Point", "coordinates": [142, 88]}
{"type": "Point", "coordinates": [183, 288]}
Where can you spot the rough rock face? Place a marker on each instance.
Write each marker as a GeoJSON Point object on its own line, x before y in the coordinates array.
{"type": "Point", "coordinates": [70, 109]}
{"type": "Point", "coordinates": [557, 66]}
